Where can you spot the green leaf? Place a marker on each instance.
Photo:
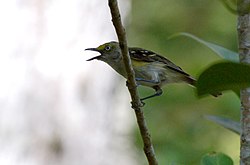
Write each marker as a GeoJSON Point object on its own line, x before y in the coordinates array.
{"type": "Point", "coordinates": [230, 5]}
{"type": "Point", "coordinates": [219, 50]}
{"type": "Point", "coordinates": [223, 76]}
{"type": "Point", "coordinates": [216, 159]}
{"type": "Point", "coordinates": [226, 123]}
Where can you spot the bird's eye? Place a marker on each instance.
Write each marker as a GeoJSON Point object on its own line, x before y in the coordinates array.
{"type": "Point", "coordinates": [107, 48]}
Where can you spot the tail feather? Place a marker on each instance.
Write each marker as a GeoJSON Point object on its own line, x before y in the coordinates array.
{"type": "Point", "coordinates": [190, 80]}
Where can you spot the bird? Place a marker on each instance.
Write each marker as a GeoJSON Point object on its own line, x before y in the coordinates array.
{"type": "Point", "coordinates": [151, 69]}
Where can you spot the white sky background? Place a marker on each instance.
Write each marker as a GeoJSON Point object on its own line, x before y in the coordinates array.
{"type": "Point", "coordinates": [56, 108]}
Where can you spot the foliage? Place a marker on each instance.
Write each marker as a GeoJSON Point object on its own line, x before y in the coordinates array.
{"type": "Point", "coordinates": [219, 50]}
{"type": "Point", "coordinates": [223, 76]}
{"type": "Point", "coordinates": [216, 159]}
{"type": "Point", "coordinates": [226, 123]}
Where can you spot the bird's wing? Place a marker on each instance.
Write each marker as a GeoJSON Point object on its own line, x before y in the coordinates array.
{"type": "Point", "coordinates": [139, 54]}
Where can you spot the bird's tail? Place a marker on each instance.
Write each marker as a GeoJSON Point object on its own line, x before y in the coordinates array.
{"type": "Point", "coordinates": [190, 80]}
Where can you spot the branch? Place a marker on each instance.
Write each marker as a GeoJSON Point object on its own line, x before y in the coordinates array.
{"type": "Point", "coordinates": [244, 52]}
{"type": "Point", "coordinates": [136, 103]}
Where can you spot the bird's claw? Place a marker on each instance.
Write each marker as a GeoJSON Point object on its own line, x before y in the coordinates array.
{"type": "Point", "coordinates": [135, 84]}
{"type": "Point", "coordinates": [141, 104]}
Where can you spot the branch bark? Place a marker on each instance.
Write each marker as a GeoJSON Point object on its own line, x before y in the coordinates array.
{"type": "Point", "coordinates": [131, 83]}
{"type": "Point", "coordinates": [244, 53]}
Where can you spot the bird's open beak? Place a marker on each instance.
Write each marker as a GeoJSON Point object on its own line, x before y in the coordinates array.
{"type": "Point", "coordinates": [97, 57]}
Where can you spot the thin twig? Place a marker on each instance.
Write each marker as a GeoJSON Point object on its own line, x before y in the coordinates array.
{"type": "Point", "coordinates": [136, 103]}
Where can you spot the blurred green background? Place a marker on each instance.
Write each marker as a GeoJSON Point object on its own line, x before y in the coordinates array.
{"type": "Point", "coordinates": [179, 131]}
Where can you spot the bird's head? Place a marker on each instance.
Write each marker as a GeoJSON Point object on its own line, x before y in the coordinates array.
{"type": "Point", "coordinates": [110, 52]}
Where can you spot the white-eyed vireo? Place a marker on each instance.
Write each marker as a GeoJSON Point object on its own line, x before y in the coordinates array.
{"type": "Point", "coordinates": [151, 69]}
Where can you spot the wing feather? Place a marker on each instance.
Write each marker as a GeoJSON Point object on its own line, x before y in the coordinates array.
{"type": "Point", "coordinates": [139, 54]}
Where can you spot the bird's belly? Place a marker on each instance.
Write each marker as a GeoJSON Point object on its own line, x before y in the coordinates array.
{"type": "Point", "coordinates": [155, 76]}
{"type": "Point", "coordinates": [149, 76]}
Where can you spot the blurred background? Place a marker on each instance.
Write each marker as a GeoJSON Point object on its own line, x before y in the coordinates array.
{"type": "Point", "coordinates": [58, 109]}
